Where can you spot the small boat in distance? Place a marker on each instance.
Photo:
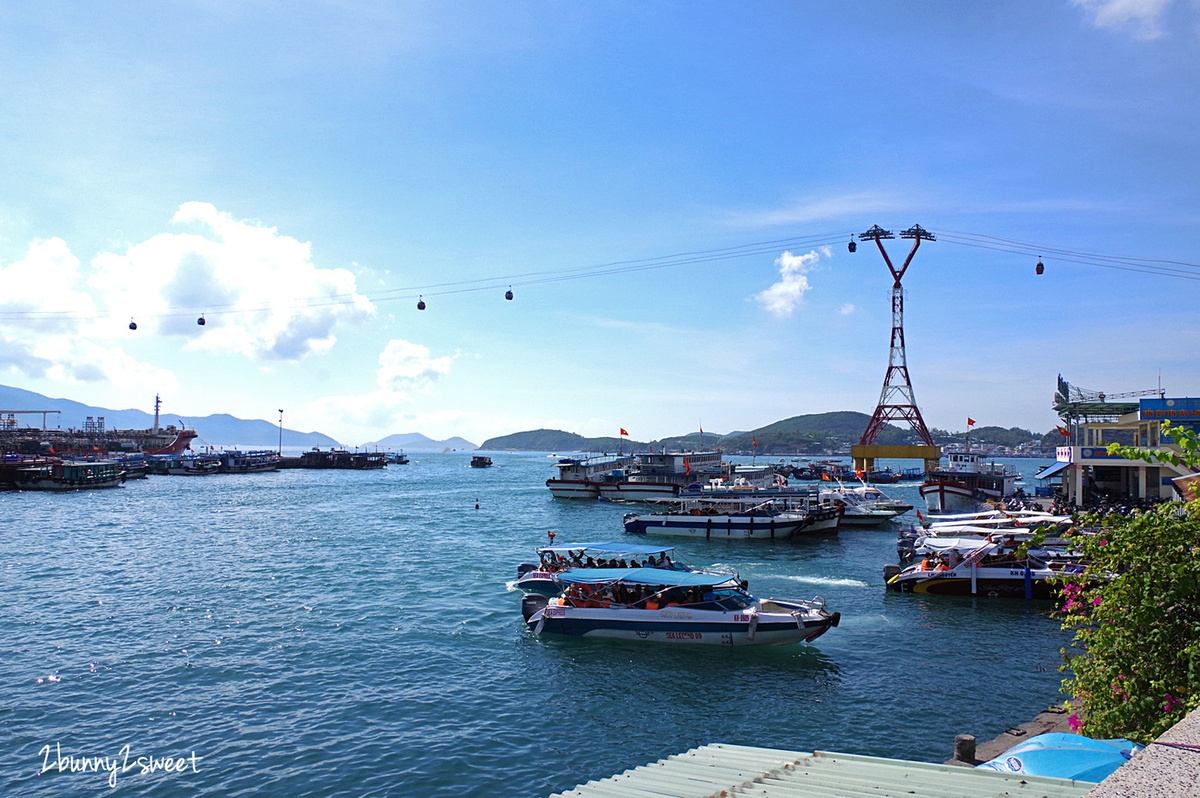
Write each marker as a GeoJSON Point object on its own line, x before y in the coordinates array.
{"type": "Point", "coordinates": [480, 461]}
{"type": "Point", "coordinates": [672, 607]}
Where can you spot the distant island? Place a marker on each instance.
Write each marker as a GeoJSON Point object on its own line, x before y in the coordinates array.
{"type": "Point", "coordinates": [814, 434]}
{"type": "Point", "coordinates": [416, 442]}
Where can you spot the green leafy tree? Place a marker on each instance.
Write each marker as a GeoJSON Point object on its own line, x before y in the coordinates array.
{"type": "Point", "coordinates": [1135, 613]}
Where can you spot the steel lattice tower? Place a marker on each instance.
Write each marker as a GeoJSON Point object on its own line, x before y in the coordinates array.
{"type": "Point", "coordinates": [896, 400]}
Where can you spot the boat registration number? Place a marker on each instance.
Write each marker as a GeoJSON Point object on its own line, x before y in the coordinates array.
{"type": "Point", "coordinates": [554, 612]}
{"type": "Point", "coordinates": [683, 636]}
{"type": "Point", "coordinates": [741, 618]}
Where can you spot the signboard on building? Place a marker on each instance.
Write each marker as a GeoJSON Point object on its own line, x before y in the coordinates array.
{"type": "Point", "coordinates": [1169, 409]}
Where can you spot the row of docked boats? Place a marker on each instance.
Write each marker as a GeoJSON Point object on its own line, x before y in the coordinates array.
{"type": "Point", "coordinates": [963, 484]}
{"type": "Point", "coordinates": [636, 592]}
{"type": "Point", "coordinates": [994, 554]}
{"type": "Point", "coordinates": [57, 474]}
{"type": "Point", "coordinates": [649, 476]}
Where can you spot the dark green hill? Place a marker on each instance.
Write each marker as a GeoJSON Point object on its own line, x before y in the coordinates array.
{"type": "Point", "coordinates": [811, 434]}
{"type": "Point", "coordinates": [555, 440]}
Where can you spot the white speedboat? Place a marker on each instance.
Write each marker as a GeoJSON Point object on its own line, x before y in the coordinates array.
{"type": "Point", "coordinates": [981, 567]}
{"type": "Point", "coordinates": [672, 607]}
{"type": "Point", "coordinates": [860, 508]}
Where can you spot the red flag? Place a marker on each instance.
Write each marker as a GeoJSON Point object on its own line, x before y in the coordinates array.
{"type": "Point", "coordinates": [970, 422]}
{"type": "Point", "coordinates": [859, 473]}
{"type": "Point", "coordinates": [623, 432]}
{"type": "Point", "coordinates": [755, 442]}
{"type": "Point", "coordinates": [825, 477]}
{"type": "Point", "coordinates": [687, 469]}
{"type": "Point", "coordinates": [1063, 431]}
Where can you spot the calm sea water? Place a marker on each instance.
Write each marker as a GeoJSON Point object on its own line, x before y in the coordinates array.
{"type": "Point", "coordinates": [321, 633]}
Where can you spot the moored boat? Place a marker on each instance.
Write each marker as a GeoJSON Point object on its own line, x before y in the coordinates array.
{"type": "Point", "coordinates": [581, 477]}
{"type": "Point", "coordinates": [67, 475]}
{"type": "Point", "coordinates": [672, 607]}
{"type": "Point", "coordinates": [725, 518]}
{"type": "Point", "coordinates": [982, 567]}
{"type": "Point", "coordinates": [237, 462]}
{"type": "Point", "coordinates": [966, 483]}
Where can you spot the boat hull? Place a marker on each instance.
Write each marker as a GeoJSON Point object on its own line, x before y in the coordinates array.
{"type": "Point", "coordinates": [717, 526]}
{"type": "Point", "coordinates": [989, 583]}
{"type": "Point", "coordinates": [573, 489]}
{"type": "Point", "coordinates": [681, 625]}
{"type": "Point", "coordinates": [639, 491]}
{"type": "Point", "coordinates": [947, 497]}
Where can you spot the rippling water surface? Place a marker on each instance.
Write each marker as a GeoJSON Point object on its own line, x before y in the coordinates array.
{"type": "Point", "coordinates": [320, 633]}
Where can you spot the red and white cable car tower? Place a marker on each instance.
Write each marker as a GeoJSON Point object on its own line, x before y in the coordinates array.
{"type": "Point", "coordinates": [896, 400]}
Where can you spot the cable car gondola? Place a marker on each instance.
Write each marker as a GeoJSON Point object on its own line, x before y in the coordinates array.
{"type": "Point", "coordinates": [1040, 267]}
{"type": "Point", "coordinates": [420, 303]}
{"type": "Point", "coordinates": [852, 246]}
{"type": "Point", "coordinates": [132, 324]}
{"type": "Point", "coordinates": [508, 293]}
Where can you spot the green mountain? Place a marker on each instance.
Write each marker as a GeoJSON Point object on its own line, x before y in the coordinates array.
{"type": "Point", "coordinates": [555, 440]}
{"type": "Point", "coordinates": [810, 434]}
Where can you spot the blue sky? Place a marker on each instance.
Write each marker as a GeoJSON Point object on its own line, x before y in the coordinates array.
{"type": "Point", "coordinates": [301, 172]}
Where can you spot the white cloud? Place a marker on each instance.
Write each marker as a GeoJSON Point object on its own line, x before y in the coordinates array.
{"type": "Point", "coordinates": [784, 296]}
{"type": "Point", "coordinates": [1142, 16]}
{"type": "Point", "coordinates": [405, 367]}
{"type": "Point", "coordinates": [847, 309]}
{"type": "Point", "coordinates": [825, 208]}
{"type": "Point", "coordinates": [41, 288]}
{"type": "Point", "coordinates": [260, 292]}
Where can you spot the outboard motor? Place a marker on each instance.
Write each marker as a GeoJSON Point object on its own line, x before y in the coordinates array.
{"type": "Point", "coordinates": [525, 568]}
{"type": "Point", "coordinates": [888, 572]}
{"type": "Point", "coordinates": [906, 548]}
{"type": "Point", "coordinates": [531, 603]}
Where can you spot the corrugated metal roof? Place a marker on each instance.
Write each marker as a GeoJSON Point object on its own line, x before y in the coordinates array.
{"type": "Point", "coordinates": [725, 771]}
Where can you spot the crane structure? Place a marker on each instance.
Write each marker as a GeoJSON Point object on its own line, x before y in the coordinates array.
{"type": "Point", "coordinates": [896, 400]}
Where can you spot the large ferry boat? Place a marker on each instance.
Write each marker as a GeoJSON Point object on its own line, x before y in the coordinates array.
{"type": "Point", "coordinates": [95, 437]}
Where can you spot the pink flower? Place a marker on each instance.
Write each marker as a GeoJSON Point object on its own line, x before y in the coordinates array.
{"type": "Point", "coordinates": [1103, 542]}
{"type": "Point", "coordinates": [1076, 724]}
{"type": "Point", "coordinates": [1096, 601]}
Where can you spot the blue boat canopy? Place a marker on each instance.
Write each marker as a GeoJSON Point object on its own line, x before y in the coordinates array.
{"type": "Point", "coordinates": [643, 576]}
{"type": "Point", "coordinates": [608, 548]}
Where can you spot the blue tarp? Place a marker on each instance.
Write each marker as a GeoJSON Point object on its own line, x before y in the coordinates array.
{"type": "Point", "coordinates": [642, 576]}
{"type": "Point", "coordinates": [1065, 756]}
{"type": "Point", "coordinates": [608, 548]}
